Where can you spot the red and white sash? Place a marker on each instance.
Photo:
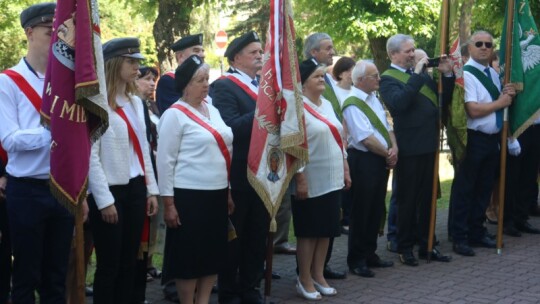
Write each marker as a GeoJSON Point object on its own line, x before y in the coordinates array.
{"type": "Point", "coordinates": [133, 137]}
{"type": "Point", "coordinates": [251, 90]}
{"type": "Point", "coordinates": [30, 94]}
{"type": "Point", "coordinates": [219, 139]}
{"type": "Point", "coordinates": [333, 129]}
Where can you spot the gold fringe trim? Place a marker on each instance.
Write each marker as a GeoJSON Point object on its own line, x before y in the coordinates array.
{"type": "Point", "coordinates": [70, 203]}
{"type": "Point", "coordinates": [526, 124]}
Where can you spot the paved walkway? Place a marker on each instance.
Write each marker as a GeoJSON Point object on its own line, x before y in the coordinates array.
{"type": "Point", "coordinates": [513, 277]}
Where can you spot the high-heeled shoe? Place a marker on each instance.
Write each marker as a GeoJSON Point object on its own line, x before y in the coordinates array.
{"type": "Point", "coordinates": [325, 291]}
{"type": "Point", "coordinates": [313, 296]}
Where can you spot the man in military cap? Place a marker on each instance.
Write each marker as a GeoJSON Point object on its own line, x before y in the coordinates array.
{"type": "Point", "coordinates": [41, 229]}
{"type": "Point", "coordinates": [166, 93]}
{"type": "Point", "coordinates": [235, 97]}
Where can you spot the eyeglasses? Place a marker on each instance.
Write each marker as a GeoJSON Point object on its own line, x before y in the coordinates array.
{"type": "Point", "coordinates": [374, 76]}
{"type": "Point", "coordinates": [479, 44]}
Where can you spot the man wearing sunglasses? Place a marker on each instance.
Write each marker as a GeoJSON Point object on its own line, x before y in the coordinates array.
{"type": "Point", "coordinates": [473, 184]}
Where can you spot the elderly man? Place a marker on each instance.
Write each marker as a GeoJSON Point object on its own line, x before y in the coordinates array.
{"type": "Point", "coordinates": [235, 97]}
{"type": "Point", "coordinates": [41, 228]}
{"type": "Point", "coordinates": [410, 95]}
{"type": "Point", "coordinates": [474, 181]}
{"type": "Point", "coordinates": [166, 93]}
{"type": "Point", "coordinates": [372, 152]}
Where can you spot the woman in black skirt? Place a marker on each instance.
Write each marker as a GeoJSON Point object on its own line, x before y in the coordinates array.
{"type": "Point", "coordinates": [194, 153]}
{"type": "Point", "coordinates": [317, 187]}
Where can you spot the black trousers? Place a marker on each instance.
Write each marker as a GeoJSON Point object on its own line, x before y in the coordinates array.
{"type": "Point", "coordinates": [117, 245]}
{"type": "Point", "coordinates": [414, 182]}
{"type": "Point", "coordinates": [521, 177]}
{"type": "Point", "coordinates": [245, 261]}
{"type": "Point", "coordinates": [369, 180]}
{"type": "Point", "coordinates": [41, 232]}
{"type": "Point", "coordinates": [473, 186]}
{"type": "Point", "coordinates": [5, 254]}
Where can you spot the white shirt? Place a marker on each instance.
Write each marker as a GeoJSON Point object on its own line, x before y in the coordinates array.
{"type": "Point", "coordinates": [324, 171]}
{"type": "Point", "coordinates": [476, 92]}
{"type": "Point", "coordinates": [341, 94]}
{"type": "Point", "coordinates": [23, 137]}
{"type": "Point", "coordinates": [358, 124]}
{"type": "Point", "coordinates": [188, 155]}
{"type": "Point", "coordinates": [243, 77]}
{"type": "Point", "coordinates": [135, 168]}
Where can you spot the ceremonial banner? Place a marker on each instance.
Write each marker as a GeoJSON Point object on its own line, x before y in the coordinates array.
{"type": "Point", "coordinates": [454, 116]}
{"type": "Point", "coordinates": [74, 97]}
{"type": "Point", "coordinates": [525, 66]}
{"type": "Point", "coordinates": [278, 143]}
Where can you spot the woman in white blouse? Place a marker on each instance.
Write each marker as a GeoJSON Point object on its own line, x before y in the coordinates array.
{"type": "Point", "coordinates": [193, 159]}
{"type": "Point", "coordinates": [121, 179]}
{"type": "Point", "coordinates": [342, 74]}
{"type": "Point", "coordinates": [317, 188]}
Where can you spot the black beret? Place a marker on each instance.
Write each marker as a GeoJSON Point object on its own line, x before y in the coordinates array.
{"type": "Point", "coordinates": [239, 43]}
{"type": "Point", "coordinates": [126, 47]}
{"type": "Point", "coordinates": [307, 67]}
{"type": "Point", "coordinates": [188, 41]}
{"type": "Point", "coordinates": [37, 13]}
{"type": "Point", "coordinates": [185, 71]}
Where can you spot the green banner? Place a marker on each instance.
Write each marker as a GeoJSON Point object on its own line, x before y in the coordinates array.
{"type": "Point", "coordinates": [525, 67]}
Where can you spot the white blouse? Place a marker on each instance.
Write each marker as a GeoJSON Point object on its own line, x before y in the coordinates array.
{"type": "Point", "coordinates": [324, 171]}
{"type": "Point", "coordinates": [188, 155]}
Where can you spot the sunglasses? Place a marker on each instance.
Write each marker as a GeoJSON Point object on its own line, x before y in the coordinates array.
{"type": "Point", "coordinates": [479, 44]}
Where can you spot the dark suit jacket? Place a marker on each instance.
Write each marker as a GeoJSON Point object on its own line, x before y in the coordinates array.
{"type": "Point", "coordinates": [166, 93]}
{"type": "Point", "coordinates": [237, 109]}
{"type": "Point", "coordinates": [415, 116]}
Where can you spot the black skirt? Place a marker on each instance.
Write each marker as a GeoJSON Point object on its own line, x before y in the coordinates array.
{"type": "Point", "coordinates": [317, 217]}
{"type": "Point", "coordinates": [198, 247]}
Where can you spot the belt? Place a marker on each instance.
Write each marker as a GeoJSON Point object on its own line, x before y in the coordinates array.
{"type": "Point", "coordinates": [29, 180]}
{"type": "Point", "coordinates": [480, 133]}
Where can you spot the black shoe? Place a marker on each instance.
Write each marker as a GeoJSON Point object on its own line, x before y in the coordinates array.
{"type": "Point", "coordinates": [362, 271]}
{"type": "Point", "coordinates": [408, 258]}
{"type": "Point", "coordinates": [333, 274]}
{"type": "Point", "coordinates": [463, 249]}
{"type": "Point", "coordinates": [391, 246]}
{"type": "Point", "coordinates": [511, 230]}
{"type": "Point", "coordinates": [485, 242]}
{"type": "Point", "coordinates": [88, 291]}
{"type": "Point", "coordinates": [275, 275]}
{"type": "Point", "coordinates": [527, 227]}
{"type": "Point", "coordinates": [436, 255]}
{"type": "Point", "coordinates": [252, 296]}
{"type": "Point", "coordinates": [378, 263]}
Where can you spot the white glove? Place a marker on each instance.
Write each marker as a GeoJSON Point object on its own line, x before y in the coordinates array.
{"type": "Point", "coordinates": [513, 146]}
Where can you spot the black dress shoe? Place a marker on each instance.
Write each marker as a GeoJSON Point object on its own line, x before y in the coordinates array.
{"type": "Point", "coordinates": [463, 249]}
{"type": "Point", "coordinates": [511, 230]}
{"type": "Point", "coordinates": [88, 291]}
{"type": "Point", "coordinates": [378, 263]}
{"type": "Point", "coordinates": [436, 255]}
{"type": "Point", "coordinates": [408, 259]}
{"type": "Point", "coordinates": [485, 242]}
{"type": "Point", "coordinates": [362, 271]}
{"type": "Point", "coordinates": [391, 246]}
{"type": "Point", "coordinates": [526, 227]}
{"type": "Point", "coordinates": [333, 274]}
{"type": "Point", "coordinates": [252, 296]}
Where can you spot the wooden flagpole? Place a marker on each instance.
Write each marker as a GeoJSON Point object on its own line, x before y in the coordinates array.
{"type": "Point", "coordinates": [504, 131]}
{"type": "Point", "coordinates": [435, 185]}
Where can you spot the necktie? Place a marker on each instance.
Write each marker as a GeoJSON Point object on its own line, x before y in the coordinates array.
{"type": "Point", "coordinates": [498, 113]}
{"type": "Point", "coordinates": [255, 83]}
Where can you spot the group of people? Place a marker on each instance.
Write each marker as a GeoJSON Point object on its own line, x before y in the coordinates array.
{"type": "Point", "coordinates": [195, 141]}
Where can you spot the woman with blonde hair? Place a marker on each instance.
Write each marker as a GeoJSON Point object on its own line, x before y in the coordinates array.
{"type": "Point", "coordinates": [121, 178]}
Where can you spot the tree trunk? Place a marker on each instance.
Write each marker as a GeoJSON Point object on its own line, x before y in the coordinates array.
{"type": "Point", "coordinates": [172, 22]}
{"type": "Point", "coordinates": [378, 50]}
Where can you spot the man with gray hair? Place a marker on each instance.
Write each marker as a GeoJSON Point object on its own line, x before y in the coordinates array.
{"type": "Point", "coordinates": [319, 47]}
{"type": "Point", "coordinates": [372, 151]}
{"type": "Point", "coordinates": [411, 97]}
